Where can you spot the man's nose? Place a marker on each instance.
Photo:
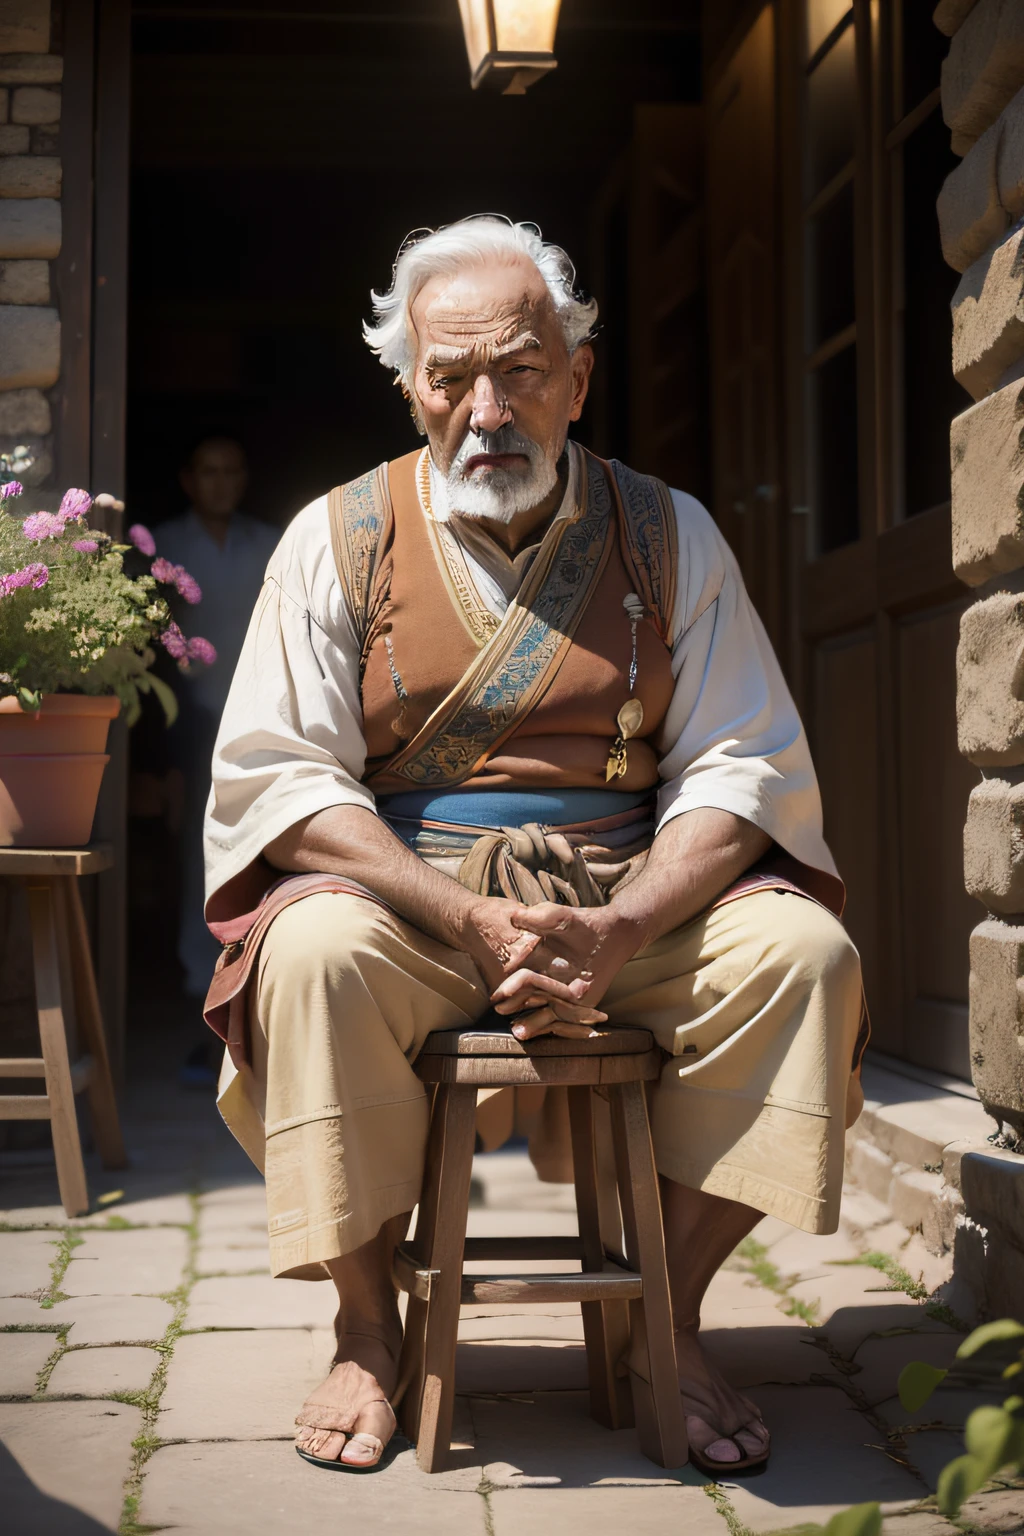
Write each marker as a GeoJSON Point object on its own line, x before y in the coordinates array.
{"type": "Point", "coordinates": [491, 409]}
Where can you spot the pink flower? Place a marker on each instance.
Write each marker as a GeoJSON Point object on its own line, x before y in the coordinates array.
{"type": "Point", "coordinates": [35, 575]}
{"type": "Point", "coordinates": [174, 642]}
{"type": "Point", "coordinates": [43, 525]}
{"type": "Point", "coordinates": [74, 505]}
{"type": "Point", "coordinates": [187, 586]}
{"type": "Point", "coordinates": [12, 488]}
{"type": "Point", "coordinates": [201, 650]}
{"type": "Point", "coordinates": [85, 546]}
{"type": "Point", "coordinates": [142, 539]}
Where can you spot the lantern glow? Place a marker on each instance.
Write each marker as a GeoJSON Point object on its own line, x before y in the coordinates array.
{"type": "Point", "coordinates": [510, 43]}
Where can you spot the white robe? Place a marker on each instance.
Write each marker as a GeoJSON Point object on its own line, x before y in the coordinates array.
{"type": "Point", "coordinates": [291, 738]}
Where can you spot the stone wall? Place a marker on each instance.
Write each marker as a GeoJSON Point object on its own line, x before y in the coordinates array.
{"type": "Point", "coordinates": [30, 231]}
{"type": "Point", "coordinates": [981, 218]}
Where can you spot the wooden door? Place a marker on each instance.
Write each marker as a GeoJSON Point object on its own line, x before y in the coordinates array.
{"type": "Point", "coordinates": [741, 255]}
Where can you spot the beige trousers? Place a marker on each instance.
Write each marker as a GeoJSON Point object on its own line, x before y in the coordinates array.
{"type": "Point", "coordinates": [757, 1004]}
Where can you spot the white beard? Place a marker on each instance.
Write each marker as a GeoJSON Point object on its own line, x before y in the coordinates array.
{"type": "Point", "coordinates": [498, 495]}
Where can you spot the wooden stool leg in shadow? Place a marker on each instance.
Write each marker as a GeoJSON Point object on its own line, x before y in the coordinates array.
{"type": "Point", "coordinates": [67, 1146]}
{"type": "Point", "coordinates": [456, 1133]}
{"type": "Point", "coordinates": [605, 1323]}
{"type": "Point", "coordinates": [102, 1104]}
{"type": "Point", "coordinates": [659, 1408]}
{"type": "Point", "coordinates": [408, 1396]}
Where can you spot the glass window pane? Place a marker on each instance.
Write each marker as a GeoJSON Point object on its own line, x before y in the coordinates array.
{"type": "Point", "coordinates": [822, 16]}
{"type": "Point", "coordinates": [931, 395]}
{"type": "Point", "coordinates": [829, 272]}
{"type": "Point", "coordinates": [831, 112]}
{"type": "Point", "coordinates": [832, 418]}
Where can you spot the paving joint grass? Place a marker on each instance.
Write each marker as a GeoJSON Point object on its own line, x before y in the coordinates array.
{"type": "Point", "coordinates": [720, 1499]}
{"type": "Point", "coordinates": [753, 1260]}
{"type": "Point", "coordinates": [148, 1440]}
{"type": "Point", "coordinates": [902, 1280]}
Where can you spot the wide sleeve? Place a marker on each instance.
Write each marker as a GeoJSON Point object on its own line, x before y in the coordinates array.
{"type": "Point", "coordinates": [291, 736]}
{"type": "Point", "coordinates": [732, 738]}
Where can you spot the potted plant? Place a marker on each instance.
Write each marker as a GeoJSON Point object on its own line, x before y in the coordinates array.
{"type": "Point", "coordinates": [77, 632]}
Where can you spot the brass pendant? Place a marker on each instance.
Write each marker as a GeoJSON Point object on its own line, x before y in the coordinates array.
{"type": "Point", "coordinates": [630, 719]}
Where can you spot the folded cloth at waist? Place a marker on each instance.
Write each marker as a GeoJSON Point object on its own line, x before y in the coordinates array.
{"type": "Point", "coordinates": [510, 807]}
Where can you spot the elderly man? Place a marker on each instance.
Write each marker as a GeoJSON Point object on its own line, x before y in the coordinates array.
{"type": "Point", "coordinates": [504, 632]}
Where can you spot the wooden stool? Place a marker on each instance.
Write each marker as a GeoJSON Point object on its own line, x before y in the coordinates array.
{"type": "Point", "coordinates": [65, 995]}
{"type": "Point", "coordinates": [624, 1298]}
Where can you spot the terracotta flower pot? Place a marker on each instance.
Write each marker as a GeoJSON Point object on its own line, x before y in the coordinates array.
{"type": "Point", "coordinates": [51, 767]}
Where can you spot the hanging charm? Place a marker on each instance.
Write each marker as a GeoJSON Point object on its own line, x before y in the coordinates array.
{"type": "Point", "coordinates": [631, 716]}
{"type": "Point", "coordinates": [398, 723]}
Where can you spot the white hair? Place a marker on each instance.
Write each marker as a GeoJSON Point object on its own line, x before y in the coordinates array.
{"type": "Point", "coordinates": [445, 251]}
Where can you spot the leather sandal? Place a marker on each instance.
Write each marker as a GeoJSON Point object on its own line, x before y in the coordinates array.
{"type": "Point", "coordinates": [722, 1471]}
{"type": "Point", "coordinates": [341, 1419]}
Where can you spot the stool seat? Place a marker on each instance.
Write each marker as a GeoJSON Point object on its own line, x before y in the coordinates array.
{"type": "Point", "coordinates": [622, 1282]}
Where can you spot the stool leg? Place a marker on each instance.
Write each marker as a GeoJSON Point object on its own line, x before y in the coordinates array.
{"type": "Point", "coordinates": [67, 1146]}
{"type": "Point", "coordinates": [407, 1398]}
{"type": "Point", "coordinates": [457, 1107]}
{"type": "Point", "coordinates": [105, 1123]}
{"type": "Point", "coordinates": [656, 1399]}
{"type": "Point", "coordinates": [605, 1323]}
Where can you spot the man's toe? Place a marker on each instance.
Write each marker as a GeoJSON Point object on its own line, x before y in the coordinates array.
{"type": "Point", "coordinates": [362, 1450]}
{"type": "Point", "coordinates": [327, 1444]}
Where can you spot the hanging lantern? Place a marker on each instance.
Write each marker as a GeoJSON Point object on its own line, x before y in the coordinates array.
{"type": "Point", "coordinates": [510, 42]}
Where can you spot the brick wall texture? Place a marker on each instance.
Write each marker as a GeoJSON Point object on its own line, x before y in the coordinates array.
{"type": "Point", "coordinates": [30, 232]}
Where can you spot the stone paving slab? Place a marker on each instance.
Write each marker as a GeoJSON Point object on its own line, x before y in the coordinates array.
{"type": "Point", "coordinates": [95, 1451]}
{"type": "Point", "coordinates": [264, 1489]}
{"type": "Point", "coordinates": [112, 1319]}
{"type": "Point", "coordinates": [759, 1352]}
{"type": "Point", "coordinates": [23, 1311]}
{"type": "Point", "coordinates": [234, 1258]}
{"type": "Point", "coordinates": [148, 1263]}
{"type": "Point", "coordinates": [549, 1439]}
{"type": "Point", "coordinates": [521, 1223]}
{"type": "Point", "coordinates": [882, 1360]}
{"type": "Point", "coordinates": [25, 1259]}
{"type": "Point", "coordinates": [99, 1372]}
{"type": "Point", "coordinates": [524, 1325]}
{"type": "Point", "coordinates": [918, 1522]}
{"type": "Point", "coordinates": [527, 1365]}
{"type": "Point", "coordinates": [257, 1301]}
{"type": "Point", "coordinates": [22, 1357]}
{"type": "Point", "coordinates": [242, 1386]}
{"type": "Point", "coordinates": [606, 1512]}
{"type": "Point", "coordinates": [823, 1460]}
{"type": "Point", "coordinates": [1000, 1511]}
{"type": "Point", "coordinates": [798, 1252]}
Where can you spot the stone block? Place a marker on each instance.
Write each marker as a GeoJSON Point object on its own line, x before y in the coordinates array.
{"type": "Point", "coordinates": [45, 139]}
{"type": "Point", "coordinates": [31, 68]}
{"type": "Point", "coordinates": [29, 176]}
{"type": "Point", "coordinates": [14, 140]}
{"type": "Point", "coordinates": [950, 15]}
{"type": "Point", "coordinates": [30, 227]}
{"type": "Point", "coordinates": [994, 845]}
{"type": "Point", "coordinates": [127, 1263]}
{"type": "Point", "coordinates": [983, 69]}
{"type": "Point", "coordinates": [246, 1385]}
{"type": "Point", "coordinates": [997, 1024]}
{"type": "Point", "coordinates": [971, 212]}
{"type": "Point", "coordinates": [913, 1196]}
{"type": "Point", "coordinates": [29, 347]}
{"type": "Point", "coordinates": [111, 1319]}
{"type": "Point", "coordinates": [35, 104]}
{"type": "Point", "coordinates": [101, 1372]}
{"type": "Point", "coordinates": [24, 411]}
{"type": "Point", "coordinates": [41, 451]}
{"type": "Point", "coordinates": [987, 486]}
{"type": "Point", "coordinates": [871, 1169]}
{"type": "Point", "coordinates": [24, 26]}
{"type": "Point", "coordinates": [22, 1357]}
{"type": "Point", "coordinates": [95, 1442]}
{"type": "Point", "coordinates": [988, 317]}
{"type": "Point", "coordinates": [25, 1259]}
{"type": "Point", "coordinates": [990, 682]}
{"type": "Point", "coordinates": [996, 1512]}
{"type": "Point", "coordinates": [993, 1186]}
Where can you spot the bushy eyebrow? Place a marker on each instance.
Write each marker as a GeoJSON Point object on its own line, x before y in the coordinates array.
{"type": "Point", "coordinates": [440, 356]}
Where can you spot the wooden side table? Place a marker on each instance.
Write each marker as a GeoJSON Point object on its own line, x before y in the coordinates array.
{"type": "Point", "coordinates": [66, 997]}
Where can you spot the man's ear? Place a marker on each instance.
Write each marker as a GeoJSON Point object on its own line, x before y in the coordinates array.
{"type": "Point", "coordinates": [582, 366]}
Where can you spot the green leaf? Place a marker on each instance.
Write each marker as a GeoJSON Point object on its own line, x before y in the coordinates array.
{"type": "Point", "coordinates": [957, 1482]}
{"type": "Point", "coordinates": [165, 695]}
{"type": "Point", "coordinates": [861, 1520]}
{"type": "Point", "coordinates": [29, 700]}
{"type": "Point", "coordinates": [991, 1436]}
{"type": "Point", "coordinates": [990, 1333]}
{"type": "Point", "coordinates": [917, 1382]}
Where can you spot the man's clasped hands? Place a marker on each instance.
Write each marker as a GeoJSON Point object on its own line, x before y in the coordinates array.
{"type": "Point", "coordinates": [549, 964]}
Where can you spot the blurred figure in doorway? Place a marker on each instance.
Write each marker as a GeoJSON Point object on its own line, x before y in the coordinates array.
{"type": "Point", "coordinates": [227, 552]}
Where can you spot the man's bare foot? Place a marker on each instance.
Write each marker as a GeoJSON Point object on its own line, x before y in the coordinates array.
{"type": "Point", "coordinates": [718, 1417]}
{"type": "Point", "coordinates": [348, 1418]}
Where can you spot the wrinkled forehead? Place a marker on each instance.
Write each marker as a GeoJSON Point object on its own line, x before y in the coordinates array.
{"type": "Point", "coordinates": [493, 309]}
